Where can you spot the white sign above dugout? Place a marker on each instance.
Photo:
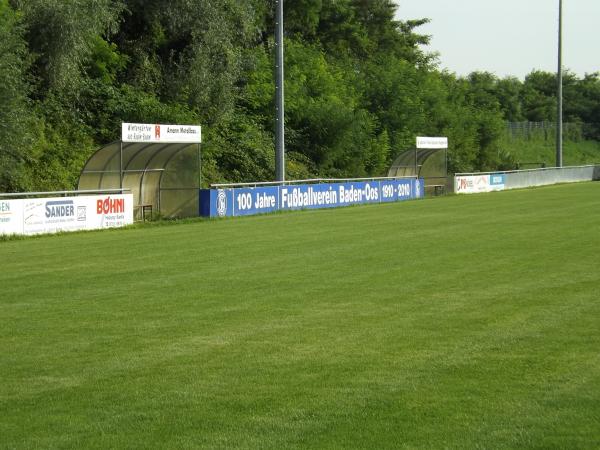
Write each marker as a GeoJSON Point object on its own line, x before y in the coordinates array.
{"type": "Point", "coordinates": [432, 142]}
{"type": "Point", "coordinates": [161, 134]}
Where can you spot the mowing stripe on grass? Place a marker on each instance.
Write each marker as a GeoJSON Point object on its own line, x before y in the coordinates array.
{"type": "Point", "coordinates": [451, 322]}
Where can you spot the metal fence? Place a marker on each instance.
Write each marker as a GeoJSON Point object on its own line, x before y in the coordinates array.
{"type": "Point", "coordinates": [64, 193]}
{"type": "Point", "coordinates": [516, 179]}
{"type": "Point", "coordinates": [552, 175]}
{"type": "Point", "coordinates": [307, 181]}
{"type": "Point", "coordinates": [546, 131]}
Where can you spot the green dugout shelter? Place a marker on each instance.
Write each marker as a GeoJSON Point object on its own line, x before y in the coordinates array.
{"type": "Point", "coordinates": [159, 164]}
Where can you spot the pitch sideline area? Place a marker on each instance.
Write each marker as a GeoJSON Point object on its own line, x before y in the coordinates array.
{"type": "Point", "coordinates": [461, 322]}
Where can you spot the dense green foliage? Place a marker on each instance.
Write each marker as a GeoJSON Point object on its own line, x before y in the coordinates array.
{"type": "Point", "coordinates": [442, 323]}
{"type": "Point", "coordinates": [359, 88]}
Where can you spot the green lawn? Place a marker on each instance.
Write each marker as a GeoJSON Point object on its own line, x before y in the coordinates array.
{"type": "Point", "coordinates": [457, 322]}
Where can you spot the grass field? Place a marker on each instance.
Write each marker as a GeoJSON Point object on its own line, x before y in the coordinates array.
{"type": "Point", "coordinates": [458, 322]}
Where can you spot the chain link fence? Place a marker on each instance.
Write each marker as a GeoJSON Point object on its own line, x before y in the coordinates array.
{"type": "Point", "coordinates": [546, 131]}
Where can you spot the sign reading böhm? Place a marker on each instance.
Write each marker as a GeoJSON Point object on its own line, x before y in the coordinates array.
{"type": "Point", "coordinates": [260, 200]}
{"type": "Point", "coordinates": [51, 215]}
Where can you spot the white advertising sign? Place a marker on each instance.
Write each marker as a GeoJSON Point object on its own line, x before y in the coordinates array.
{"type": "Point", "coordinates": [474, 184]}
{"type": "Point", "coordinates": [11, 217]}
{"type": "Point", "coordinates": [51, 215]}
{"type": "Point", "coordinates": [168, 134]}
{"type": "Point", "coordinates": [432, 142]}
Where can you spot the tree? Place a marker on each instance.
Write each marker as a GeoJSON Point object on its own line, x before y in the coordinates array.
{"type": "Point", "coordinates": [17, 122]}
{"type": "Point", "coordinates": [539, 96]}
{"type": "Point", "coordinates": [61, 34]}
{"type": "Point", "coordinates": [302, 17]}
{"type": "Point", "coordinates": [509, 92]}
{"type": "Point", "coordinates": [359, 87]}
{"type": "Point", "coordinates": [325, 120]}
{"type": "Point", "coordinates": [189, 51]}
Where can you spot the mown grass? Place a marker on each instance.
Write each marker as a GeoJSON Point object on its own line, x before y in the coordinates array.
{"type": "Point", "coordinates": [459, 322]}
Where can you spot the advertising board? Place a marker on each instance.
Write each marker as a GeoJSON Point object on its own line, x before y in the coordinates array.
{"type": "Point", "coordinates": [51, 215]}
{"type": "Point", "coordinates": [497, 181]}
{"type": "Point", "coordinates": [156, 133]}
{"type": "Point", "coordinates": [11, 217]}
{"type": "Point", "coordinates": [474, 184]}
{"type": "Point", "coordinates": [260, 200]}
{"type": "Point", "coordinates": [424, 142]}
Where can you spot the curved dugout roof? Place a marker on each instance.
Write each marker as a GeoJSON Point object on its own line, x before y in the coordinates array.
{"type": "Point", "coordinates": [163, 176]}
{"type": "Point", "coordinates": [429, 164]}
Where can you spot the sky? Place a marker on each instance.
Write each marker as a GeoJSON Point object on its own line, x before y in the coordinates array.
{"type": "Point", "coordinates": [509, 37]}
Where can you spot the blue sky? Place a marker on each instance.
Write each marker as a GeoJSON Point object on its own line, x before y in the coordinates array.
{"type": "Point", "coordinates": [509, 37]}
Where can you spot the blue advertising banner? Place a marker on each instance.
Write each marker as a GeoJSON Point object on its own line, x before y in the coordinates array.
{"type": "Point", "coordinates": [497, 181]}
{"type": "Point", "coordinates": [259, 200]}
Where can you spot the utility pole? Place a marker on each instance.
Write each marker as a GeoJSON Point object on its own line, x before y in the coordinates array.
{"type": "Point", "coordinates": [559, 112]}
{"type": "Point", "coordinates": [279, 95]}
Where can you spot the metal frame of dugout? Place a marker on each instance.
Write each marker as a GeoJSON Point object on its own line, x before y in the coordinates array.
{"type": "Point", "coordinates": [164, 178]}
{"type": "Point", "coordinates": [431, 164]}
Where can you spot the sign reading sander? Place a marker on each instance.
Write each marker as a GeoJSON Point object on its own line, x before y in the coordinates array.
{"type": "Point", "coordinates": [259, 200]}
{"type": "Point", "coordinates": [167, 134]}
{"type": "Point", "coordinates": [51, 215]}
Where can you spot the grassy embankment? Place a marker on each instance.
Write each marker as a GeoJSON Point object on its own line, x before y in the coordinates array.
{"type": "Point", "coordinates": [540, 147]}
